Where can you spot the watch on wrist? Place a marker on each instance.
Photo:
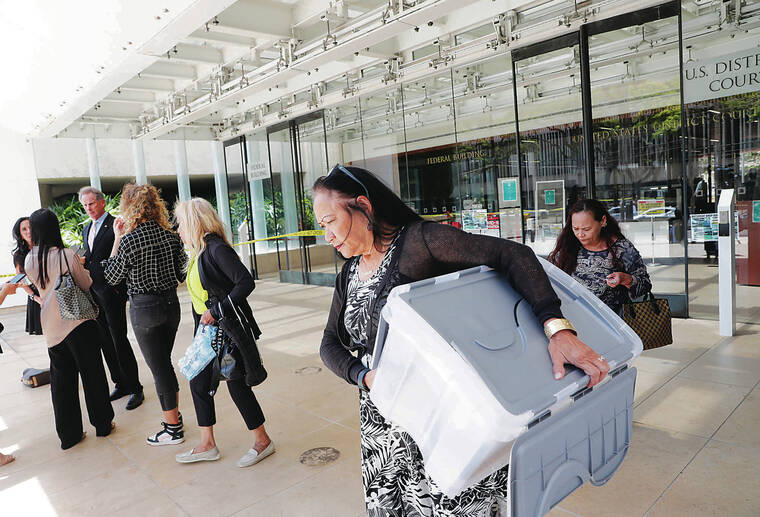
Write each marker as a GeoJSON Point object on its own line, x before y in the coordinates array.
{"type": "Point", "coordinates": [554, 326]}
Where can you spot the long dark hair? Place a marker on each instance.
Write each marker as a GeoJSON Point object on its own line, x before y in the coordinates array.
{"type": "Point", "coordinates": [389, 212]}
{"type": "Point", "coordinates": [46, 234]}
{"type": "Point", "coordinates": [22, 248]}
{"type": "Point", "coordinates": [565, 254]}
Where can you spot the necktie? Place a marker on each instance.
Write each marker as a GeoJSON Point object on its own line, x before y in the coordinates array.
{"type": "Point", "coordinates": [91, 235]}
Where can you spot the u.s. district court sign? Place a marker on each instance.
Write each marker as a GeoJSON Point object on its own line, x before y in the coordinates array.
{"type": "Point", "coordinates": [722, 76]}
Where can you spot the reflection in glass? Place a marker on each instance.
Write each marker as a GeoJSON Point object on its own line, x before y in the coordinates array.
{"type": "Point", "coordinates": [551, 142]}
{"type": "Point", "coordinates": [237, 188]}
{"type": "Point", "coordinates": [384, 138]}
{"type": "Point", "coordinates": [260, 178]}
{"type": "Point", "coordinates": [487, 145]}
{"type": "Point", "coordinates": [431, 150]}
{"type": "Point", "coordinates": [635, 92]}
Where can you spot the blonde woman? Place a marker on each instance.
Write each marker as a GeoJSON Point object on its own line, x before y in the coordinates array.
{"type": "Point", "coordinates": [217, 277]}
{"type": "Point", "coordinates": [150, 256]}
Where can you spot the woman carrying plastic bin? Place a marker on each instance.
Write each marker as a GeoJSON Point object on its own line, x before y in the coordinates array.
{"type": "Point", "coordinates": [593, 250]}
{"type": "Point", "coordinates": [387, 245]}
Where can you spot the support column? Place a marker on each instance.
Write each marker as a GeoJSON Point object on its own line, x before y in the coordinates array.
{"type": "Point", "coordinates": [92, 162]}
{"type": "Point", "coordinates": [220, 184]}
{"type": "Point", "coordinates": [183, 177]}
{"type": "Point", "coordinates": [138, 154]}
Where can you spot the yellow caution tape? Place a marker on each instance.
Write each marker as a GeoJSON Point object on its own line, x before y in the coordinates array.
{"type": "Point", "coordinates": [304, 233]}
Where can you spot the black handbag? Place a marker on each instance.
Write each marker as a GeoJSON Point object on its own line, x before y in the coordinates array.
{"type": "Point", "coordinates": [651, 320]}
{"type": "Point", "coordinates": [240, 331]}
{"type": "Point", "coordinates": [226, 366]}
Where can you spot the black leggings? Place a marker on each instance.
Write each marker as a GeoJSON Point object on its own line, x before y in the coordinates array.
{"type": "Point", "coordinates": [241, 394]}
{"type": "Point", "coordinates": [78, 355]}
{"type": "Point", "coordinates": [155, 319]}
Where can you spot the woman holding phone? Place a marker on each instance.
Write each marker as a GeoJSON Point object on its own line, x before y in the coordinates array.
{"type": "Point", "coordinates": [22, 234]}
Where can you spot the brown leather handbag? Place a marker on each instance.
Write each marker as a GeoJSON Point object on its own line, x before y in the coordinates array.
{"type": "Point", "coordinates": [651, 320]}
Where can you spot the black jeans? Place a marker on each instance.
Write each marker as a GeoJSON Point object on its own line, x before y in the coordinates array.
{"type": "Point", "coordinates": [155, 319]}
{"type": "Point", "coordinates": [116, 348]}
{"type": "Point", "coordinates": [79, 353]}
{"type": "Point", "coordinates": [241, 394]}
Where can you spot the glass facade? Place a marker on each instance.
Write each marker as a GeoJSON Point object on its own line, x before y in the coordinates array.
{"type": "Point", "coordinates": [499, 146]}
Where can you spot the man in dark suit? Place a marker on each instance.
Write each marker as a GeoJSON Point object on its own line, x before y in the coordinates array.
{"type": "Point", "coordinates": [98, 240]}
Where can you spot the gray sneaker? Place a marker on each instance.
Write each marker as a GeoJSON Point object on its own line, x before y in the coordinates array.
{"type": "Point", "coordinates": [191, 456]}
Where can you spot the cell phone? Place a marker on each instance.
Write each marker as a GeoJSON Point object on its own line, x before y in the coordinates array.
{"type": "Point", "coordinates": [18, 278]}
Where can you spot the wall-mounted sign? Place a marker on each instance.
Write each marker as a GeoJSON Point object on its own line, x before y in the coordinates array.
{"type": "Point", "coordinates": [550, 197]}
{"type": "Point", "coordinates": [652, 207]}
{"type": "Point", "coordinates": [509, 190]}
{"type": "Point", "coordinates": [704, 227]}
{"type": "Point", "coordinates": [716, 77]}
{"type": "Point", "coordinates": [454, 157]}
{"type": "Point", "coordinates": [756, 211]}
{"type": "Point", "coordinates": [474, 220]}
{"type": "Point", "coordinates": [258, 171]}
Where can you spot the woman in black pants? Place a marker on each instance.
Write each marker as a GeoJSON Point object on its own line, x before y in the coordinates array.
{"type": "Point", "coordinates": [22, 234]}
{"type": "Point", "coordinates": [217, 275]}
{"type": "Point", "coordinates": [149, 255]}
{"type": "Point", "coordinates": [73, 345]}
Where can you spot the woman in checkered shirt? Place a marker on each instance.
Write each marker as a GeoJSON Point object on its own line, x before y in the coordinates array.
{"type": "Point", "coordinates": [150, 256]}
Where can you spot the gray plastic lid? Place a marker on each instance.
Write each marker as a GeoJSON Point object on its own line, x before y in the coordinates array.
{"type": "Point", "coordinates": [494, 329]}
{"type": "Point", "coordinates": [559, 454]}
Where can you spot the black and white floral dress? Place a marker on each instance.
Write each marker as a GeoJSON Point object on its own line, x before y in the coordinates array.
{"type": "Point", "coordinates": [393, 472]}
{"type": "Point", "coordinates": [593, 267]}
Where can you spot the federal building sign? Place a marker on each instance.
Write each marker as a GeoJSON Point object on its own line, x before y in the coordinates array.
{"type": "Point", "coordinates": [722, 76]}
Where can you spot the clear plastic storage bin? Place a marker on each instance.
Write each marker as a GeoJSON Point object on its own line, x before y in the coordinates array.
{"type": "Point", "coordinates": [463, 366]}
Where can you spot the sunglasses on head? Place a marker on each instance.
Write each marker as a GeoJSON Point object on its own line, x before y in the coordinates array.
{"type": "Point", "coordinates": [348, 173]}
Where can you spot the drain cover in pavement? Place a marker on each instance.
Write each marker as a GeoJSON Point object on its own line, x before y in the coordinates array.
{"type": "Point", "coordinates": [308, 370]}
{"type": "Point", "coordinates": [319, 456]}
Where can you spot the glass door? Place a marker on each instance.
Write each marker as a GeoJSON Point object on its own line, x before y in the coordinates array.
{"type": "Point", "coordinates": [550, 114]}
{"type": "Point", "coordinates": [298, 156]}
{"type": "Point", "coordinates": [239, 199]}
{"type": "Point", "coordinates": [637, 139]}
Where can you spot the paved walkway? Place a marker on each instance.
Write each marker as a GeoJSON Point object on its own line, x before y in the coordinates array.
{"type": "Point", "coordinates": [695, 447]}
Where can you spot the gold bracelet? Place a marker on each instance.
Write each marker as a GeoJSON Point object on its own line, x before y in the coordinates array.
{"type": "Point", "coordinates": [554, 326]}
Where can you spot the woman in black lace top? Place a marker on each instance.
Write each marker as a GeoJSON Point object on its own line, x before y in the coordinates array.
{"type": "Point", "coordinates": [387, 244]}
{"type": "Point", "coordinates": [594, 251]}
{"type": "Point", "coordinates": [22, 234]}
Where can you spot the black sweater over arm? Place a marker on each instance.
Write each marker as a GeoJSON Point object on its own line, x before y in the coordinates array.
{"type": "Point", "coordinates": [222, 275]}
{"type": "Point", "coordinates": [426, 250]}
